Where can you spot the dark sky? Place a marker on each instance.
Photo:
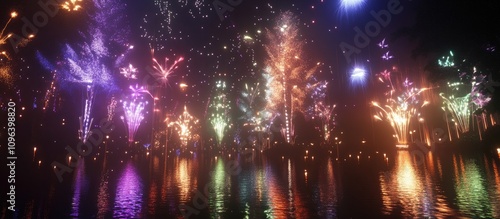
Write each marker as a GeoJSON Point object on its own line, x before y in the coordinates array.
{"type": "Point", "coordinates": [211, 46]}
{"type": "Point", "coordinates": [193, 29]}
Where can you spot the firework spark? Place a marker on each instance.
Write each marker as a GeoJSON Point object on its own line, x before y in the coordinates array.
{"type": "Point", "coordinates": [134, 114]}
{"type": "Point", "coordinates": [111, 108]}
{"type": "Point", "coordinates": [252, 105]}
{"type": "Point", "coordinates": [129, 72]}
{"type": "Point", "coordinates": [288, 70]}
{"type": "Point", "coordinates": [402, 104]}
{"type": "Point", "coordinates": [50, 94]}
{"type": "Point", "coordinates": [321, 109]}
{"type": "Point", "coordinates": [185, 126]}
{"type": "Point", "coordinates": [6, 75]}
{"type": "Point", "coordinates": [85, 120]}
{"type": "Point", "coordinates": [163, 72]}
{"type": "Point", "coordinates": [220, 108]}
{"type": "Point", "coordinates": [447, 61]}
{"type": "Point", "coordinates": [3, 39]}
{"type": "Point", "coordinates": [72, 5]}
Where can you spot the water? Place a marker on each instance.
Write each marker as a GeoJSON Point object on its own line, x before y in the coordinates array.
{"type": "Point", "coordinates": [243, 186]}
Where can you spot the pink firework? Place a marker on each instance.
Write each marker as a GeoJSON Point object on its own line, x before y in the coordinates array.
{"type": "Point", "coordinates": [163, 72]}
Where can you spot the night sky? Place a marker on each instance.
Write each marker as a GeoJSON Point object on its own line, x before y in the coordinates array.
{"type": "Point", "coordinates": [213, 47]}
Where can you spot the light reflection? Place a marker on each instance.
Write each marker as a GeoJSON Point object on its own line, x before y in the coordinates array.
{"type": "Point", "coordinates": [276, 198]}
{"type": "Point", "coordinates": [410, 187]}
{"type": "Point", "coordinates": [328, 194]}
{"type": "Point", "coordinates": [473, 197]}
{"type": "Point", "coordinates": [102, 196]}
{"type": "Point", "coordinates": [79, 187]}
{"type": "Point", "coordinates": [220, 189]}
{"type": "Point", "coordinates": [496, 176]}
{"type": "Point", "coordinates": [183, 173]}
{"type": "Point", "coordinates": [128, 203]}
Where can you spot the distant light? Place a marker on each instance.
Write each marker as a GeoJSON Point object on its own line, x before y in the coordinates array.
{"type": "Point", "coordinates": [358, 73]}
{"type": "Point", "coordinates": [358, 76]}
{"type": "Point", "coordinates": [346, 5]}
{"type": "Point", "coordinates": [13, 14]}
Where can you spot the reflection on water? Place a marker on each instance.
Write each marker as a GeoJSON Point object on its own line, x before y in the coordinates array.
{"type": "Point", "coordinates": [416, 189]}
{"type": "Point", "coordinates": [79, 188]}
{"type": "Point", "coordinates": [128, 201]}
{"type": "Point", "coordinates": [218, 191]}
{"type": "Point", "coordinates": [225, 186]}
{"type": "Point", "coordinates": [103, 193]}
{"type": "Point", "coordinates": [474, 193]}
{"type": "Point", "coordinates": [403, 189]}
{"type": "Point", "coordinates": [409, 189]}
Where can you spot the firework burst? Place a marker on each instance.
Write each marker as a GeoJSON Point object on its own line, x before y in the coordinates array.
{"type": "Point", "coordinates": [72, 5]}
{"type": "Point", "coordinates": [133, 116]}
{"type": "Point", "coordinates": [186, 126]}
{"type": "Point", "coordinates": [164, 72]}
{"type": "Point", "coordinates": [220, 107]}
{"type": "Point", "coordinates": [403, 102]}
{"type": "Point", "coordinates": [288, 71]}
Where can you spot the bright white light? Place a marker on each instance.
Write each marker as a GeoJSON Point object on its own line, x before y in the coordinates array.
{"type": "Point", "coordinates": [358, 76]}
{"type": "Point", "coordinates": [351, 4]}
{"type": "Point", "coordinates": [358, 73]}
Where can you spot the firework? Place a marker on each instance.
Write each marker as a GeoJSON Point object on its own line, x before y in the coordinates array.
{"type": "Point", "coordinates": [90, 63]}
{"type": "Point", "coordinates": [402, 104]}
{"type": "Point", "coordinates": [72, 5]}
{"type": "Point", "coordinates": [3, 39]}
{"type": "Point", "coordinates": [158, 26]}
{"type": "Point", "coordinates": [460, 107]}
{"type": "Point", "coordinates": [5, 71]}
{"type": "Point", "coordinates": [50, 94]}
{"type": "Point", "coordinates": [382, 44]}
{"type": "Point", "coordinates": [134, 114]}
{"type": "Point", "coordinates": [447, 61]}
{"type": "Point", "coordinates": [6, 75]}
{"type": "Point", "coordinates": [288, 71]}
{"type": "Point", "coordinates": [255, 117]}
{"type": "Point", "coordinates": [251, 104]}
{"type": "Point", "coordinates": [399, 117]}
{"type": "Point", "coordinates": [139, 91]}
{"type": "Point", "coordinates": [85, 120]}
{"type": "Point", "coordinates": [111, 108]}
{"type": "Point", "coordinates": [163, 72]}
{"type": "Point", "coordinates": [320, 108]}
{"type": "Point", "coordinates": [129, 72]}
{"type": "Point", "coordinates": [220, 111]}
{"type": "Point", "coordinates": [467, 97]}
{"type": "Point", "coordinates": [387, 56]}
{"type": "Point", "coordinates": [185, 126]}
{"type": "Point", "coordinates": [93, 60]}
